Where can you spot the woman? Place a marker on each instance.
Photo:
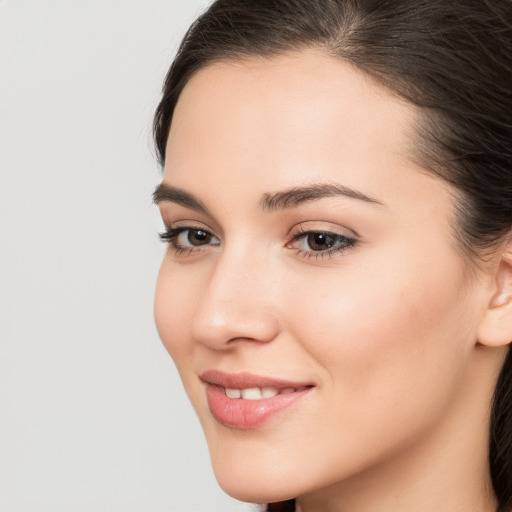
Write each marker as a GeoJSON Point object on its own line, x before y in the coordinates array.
{"type": "Point", "coordinates": [336, 294]}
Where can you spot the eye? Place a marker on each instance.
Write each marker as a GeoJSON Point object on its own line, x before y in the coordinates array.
{"type": "Point", "coordinates": [194, 238]}
{"type": "Point", "coordinates": [188, 238]}
{"type": "Point", "coordinates": [320, 243]}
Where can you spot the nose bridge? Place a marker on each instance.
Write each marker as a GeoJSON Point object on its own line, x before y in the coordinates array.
{"type": "Point", "coordinates": [238, 301]}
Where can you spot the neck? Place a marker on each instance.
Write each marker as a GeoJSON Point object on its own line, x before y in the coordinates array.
{"type": "Point", "coordinates": [444, 470]}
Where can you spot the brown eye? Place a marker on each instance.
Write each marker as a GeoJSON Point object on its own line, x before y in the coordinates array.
{"type": "Point", "coordinates": [197, 237]}
{"type": "Point", "coordinates": [188, 239]}
{"type": "Point", "coordinates": [320, 241]}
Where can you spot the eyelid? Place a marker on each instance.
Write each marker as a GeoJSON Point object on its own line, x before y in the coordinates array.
{"type": "Point", "coordinates": [176, 230]}
{"type": "Point", "coordinates": [175, 215]}
{"type": "Point", "coordinates": [345, 241]}
{"type": "Point", "coordinates": [340, 241]}
{"type": "Point", "coordinates": [172, 233]}
{"type": "Point", "coordinates": [188, 224]}
{"type": "Point", "coordinates": [321, 227]}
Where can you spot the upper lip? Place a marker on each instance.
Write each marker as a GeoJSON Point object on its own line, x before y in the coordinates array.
{"type": "Point", "coordinates": [243, 380]}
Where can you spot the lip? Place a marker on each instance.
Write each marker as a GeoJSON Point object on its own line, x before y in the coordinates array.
{"type": "Point", "coordinates": [247, 414]}
{"type": "Point", "coordinates": [243, 380]}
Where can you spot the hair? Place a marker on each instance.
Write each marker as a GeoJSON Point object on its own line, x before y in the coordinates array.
{"type": "Point", "coordinates": [452, 59]}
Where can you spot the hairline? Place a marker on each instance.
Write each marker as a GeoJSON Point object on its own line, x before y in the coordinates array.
{"type": "Point", "coordinates": [420, 150]}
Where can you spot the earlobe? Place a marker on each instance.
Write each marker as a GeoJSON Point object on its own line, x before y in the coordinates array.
{"type": "Point", "coordinates": [495, 329]}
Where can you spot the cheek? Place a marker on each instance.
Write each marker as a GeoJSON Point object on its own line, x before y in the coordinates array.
{"type": "Point", "coordinates": [174, 307]}
{"type": "Point", "coordinates": [393, 334]}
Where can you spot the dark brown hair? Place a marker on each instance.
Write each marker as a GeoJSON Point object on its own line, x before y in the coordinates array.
{"type": "Point", "coordinates": [451, 58]}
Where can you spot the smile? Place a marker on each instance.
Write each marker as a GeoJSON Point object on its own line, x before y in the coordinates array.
{"type": "Point", "coordinates": [247, 401]}
{"type": "Point", "coordinates": [259, 393]}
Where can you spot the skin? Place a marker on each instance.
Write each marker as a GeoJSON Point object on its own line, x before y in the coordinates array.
{"type": "Point", "coordinates": [391, 330]}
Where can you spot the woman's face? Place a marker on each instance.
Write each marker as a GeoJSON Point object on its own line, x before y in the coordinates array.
{"type": "Point", "coordinates": [309, 259]}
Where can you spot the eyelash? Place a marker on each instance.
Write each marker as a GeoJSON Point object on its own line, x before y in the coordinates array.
{"type": "Point", "coordinates": [344, 242]}
{"type": "Point", "coordinates": [171, 234]}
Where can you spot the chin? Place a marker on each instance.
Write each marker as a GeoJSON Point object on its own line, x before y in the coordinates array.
{"type": "Point", "coordinates": [256, 478]}
{"type": "Point", "coordinates": [256, 491]}
{"type": "Point", "coordinates": [270, 474]}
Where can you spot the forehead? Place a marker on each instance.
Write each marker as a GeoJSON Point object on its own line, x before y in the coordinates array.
{"type": "Point", "coordinates": [248, 127]}
{"type": "Point", "coordinates": [282, 112]}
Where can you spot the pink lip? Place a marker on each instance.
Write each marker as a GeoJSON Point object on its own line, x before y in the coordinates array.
{"type": "Point", "coordinates": [247, 380]}
{"type": "Point", "coordinates": [247, 414]}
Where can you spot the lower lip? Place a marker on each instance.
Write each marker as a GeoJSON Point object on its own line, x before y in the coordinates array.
{"type": "Point", "coordinates": [246, 414]}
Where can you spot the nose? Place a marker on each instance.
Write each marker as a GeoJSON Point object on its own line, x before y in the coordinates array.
{"type": "Point", "coordinates": [239, 302]}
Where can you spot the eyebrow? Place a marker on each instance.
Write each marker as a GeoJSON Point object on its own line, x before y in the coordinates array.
{"type": "Point", "coordinates": [298, 195]}
{"type": "Point", "coordinates": [166, 193]}
{"type": "Point", "coordinates": [282, 200]}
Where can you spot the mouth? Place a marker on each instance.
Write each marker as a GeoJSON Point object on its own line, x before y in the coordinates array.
{"type": "Point", "coordinates": [245, 401]}
{"type": "Point", "coordinates": [259, 393]}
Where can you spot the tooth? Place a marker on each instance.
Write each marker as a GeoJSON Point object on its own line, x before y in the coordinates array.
{"type": "Point", "coordinates": [233, 393]}
{"type": "Point", "coordinates": [251, 393]}
{"type": "Point", "coordinates": [269, 392]}
{"type": "Point", "coordinates": [287, 390]}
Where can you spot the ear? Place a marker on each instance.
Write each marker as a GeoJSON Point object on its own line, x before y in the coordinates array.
{"type": "Point", "coordinates": [495, 329]}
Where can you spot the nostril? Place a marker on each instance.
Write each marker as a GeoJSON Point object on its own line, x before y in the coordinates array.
{"type": "Point", "coordinates": [235, 328]}
{"type": "Point", "coordinates": [235, 307]}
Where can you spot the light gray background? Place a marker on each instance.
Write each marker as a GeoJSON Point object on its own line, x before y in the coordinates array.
{"type": "Point", "coordinates": [92, 414]}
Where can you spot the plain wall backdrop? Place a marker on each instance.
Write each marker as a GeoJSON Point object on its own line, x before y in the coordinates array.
{"type": "Point", "coordinates": [93, 417]}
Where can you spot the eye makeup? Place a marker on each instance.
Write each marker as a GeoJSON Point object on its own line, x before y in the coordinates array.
{"type": "Point", "coordinates": [308, 243]}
